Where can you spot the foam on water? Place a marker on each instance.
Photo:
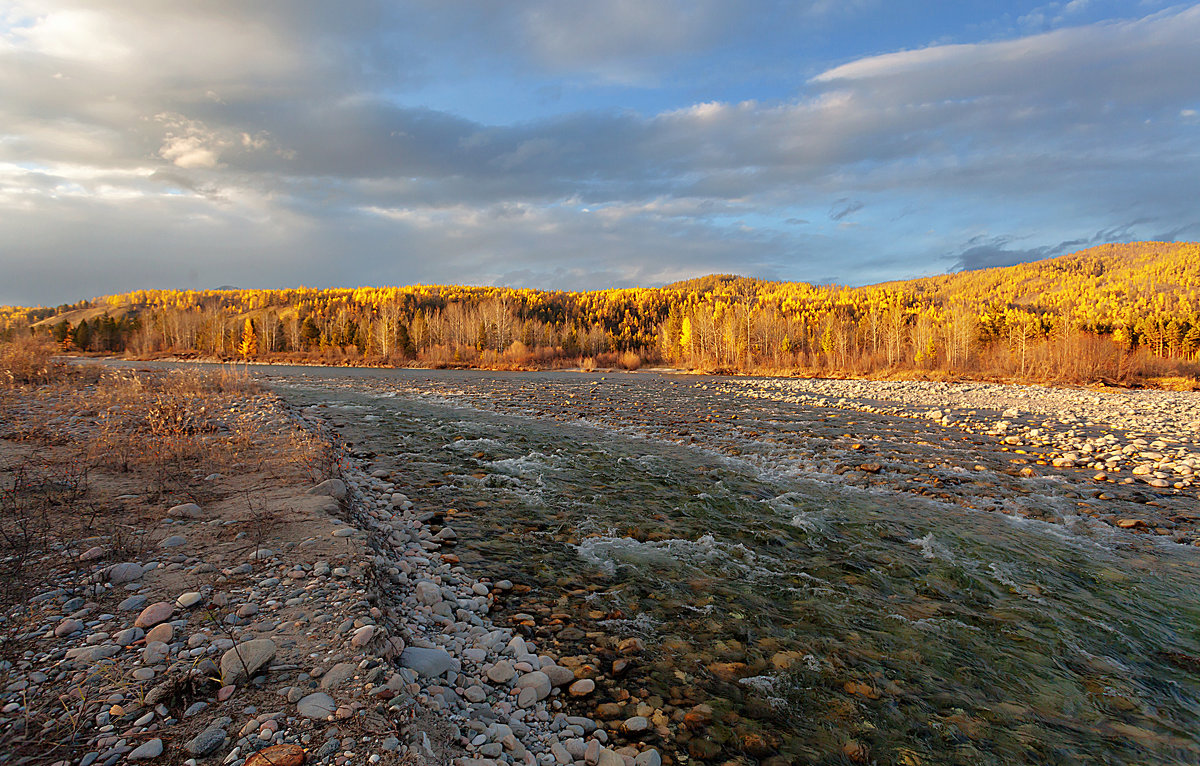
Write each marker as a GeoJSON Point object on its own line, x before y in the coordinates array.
{"type": "Point", "coordinates": [472, 445]}
{"type": "Point", "coordinates": [533, 465]}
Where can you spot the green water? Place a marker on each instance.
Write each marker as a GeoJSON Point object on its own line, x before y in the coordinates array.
{"type": "Point", "coordinates": [809, 613]}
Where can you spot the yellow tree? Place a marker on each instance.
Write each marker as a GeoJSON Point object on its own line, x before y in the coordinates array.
{"type": "Point", "coordinates": [249, 345]}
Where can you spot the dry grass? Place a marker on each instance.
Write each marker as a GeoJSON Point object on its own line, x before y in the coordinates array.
{"type": "Point", "coordinates": [153, 434]}
{"type": "Point", "coordinates": [28, 361]}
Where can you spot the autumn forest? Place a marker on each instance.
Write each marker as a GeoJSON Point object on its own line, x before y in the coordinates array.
{"type": "Point", "coordinates": [1109, 313]}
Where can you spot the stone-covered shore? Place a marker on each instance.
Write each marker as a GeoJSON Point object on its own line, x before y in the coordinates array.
{"type": "Point", "coordinates": [281, 624]}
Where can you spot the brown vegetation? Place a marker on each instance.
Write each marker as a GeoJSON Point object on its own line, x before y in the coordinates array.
{"type": "Point", "coordinates": [71, 435]}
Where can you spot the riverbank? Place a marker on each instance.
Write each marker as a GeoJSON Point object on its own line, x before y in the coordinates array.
{"type": "Point", "coordinates": [194, 573]}
{"type": "Point", "coordinates": [1177, 383]}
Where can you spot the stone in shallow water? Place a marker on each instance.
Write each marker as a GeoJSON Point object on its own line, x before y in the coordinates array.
{"type": "Point", "coordinates": [582, 687]}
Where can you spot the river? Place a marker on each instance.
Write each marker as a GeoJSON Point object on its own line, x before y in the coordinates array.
{"type": "Point", "coordinates": [935, 611]}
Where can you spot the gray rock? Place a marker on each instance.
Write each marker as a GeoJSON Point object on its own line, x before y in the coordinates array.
{"type": "Point", "coordinates": [155, 652]}
{"type": "Point", "coordinates": [536, 680]}
{"type": "Point", "coordinates": [205, 742]}
{"type": "Point", "coordinates": [185, 511]}
{"type": "Point", "coordinates": [67, 627]}
{"type": "Point", "coordinates": [129, 635]}
{"type": "Point", "coordinates": [428, 592]}
{"type": "Point", "coordinates": [335, 488]}
{"type": "Point", "coordinates": [246, 659]}
{"type": "Point", "coordinates": [318, 705]}
{"type": "Point", "coordinates": [133, 603]}
{"type": "Point", "coordinates": [648, 758]}
{"type": "Point", "coordinates": [146, 750]}
{"type": "Point", "coordinates": [338, 675]}
{"type": "Point", "coordinates": [501, 673]}
{"type": "Point", "coordinates": [188, 600]}
{"type": "Point", "coordinates": [174, 541]}
{"type": "Point", "coordinates": [126, 571]}
{"type": "Point", "coordinates": [86, 654]}
{"type": "Point", "coordinates": [636, 725]}
{"type": "Point", "coordinates": [430, 663]}
{"type": "Point", "coordinates": [559, 676]}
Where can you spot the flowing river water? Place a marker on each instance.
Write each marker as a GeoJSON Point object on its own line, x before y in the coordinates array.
{"type": "Point", "coordinates": [823, 619]}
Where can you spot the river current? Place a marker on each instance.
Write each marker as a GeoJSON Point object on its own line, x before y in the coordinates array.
{"type": "Point", "coordinates": [944, 612]}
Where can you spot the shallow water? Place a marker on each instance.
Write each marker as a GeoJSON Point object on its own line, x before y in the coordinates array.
{"type": "Point", "coordinates": [809, 609]}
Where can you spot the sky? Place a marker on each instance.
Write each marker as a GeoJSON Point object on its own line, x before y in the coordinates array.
{"type": "Point", "coordinates": [582, 145]}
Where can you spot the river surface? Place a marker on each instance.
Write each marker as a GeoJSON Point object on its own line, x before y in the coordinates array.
{"type": "Point", "coordinates": [938, 611]}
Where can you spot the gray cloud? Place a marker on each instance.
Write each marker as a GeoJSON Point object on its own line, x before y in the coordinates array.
{"type": "Point", "coordinates": [239, 142]}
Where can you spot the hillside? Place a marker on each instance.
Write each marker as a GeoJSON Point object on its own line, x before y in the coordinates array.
{"type": "Point", "coordinates": [1140, 298]}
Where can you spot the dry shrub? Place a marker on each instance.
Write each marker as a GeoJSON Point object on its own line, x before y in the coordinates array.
{"type": "Point", "coordinates": [175, 422]}
{"type": "Point", "coordinates": [588, 363]}
{"type": "Point", "coordinates": [630, 360]}
{"type": "Point", "coordinates": [27, 361]}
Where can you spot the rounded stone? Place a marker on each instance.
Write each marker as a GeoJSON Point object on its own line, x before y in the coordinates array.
{"type": "Point", "coordinates": [163, 632]}
{"type": "Point", "coordinates": [154, 614]}
{"type": "Point", "coordinates": [501, 673]}
{"type": "Point", "coordinates": [205, 742]}
{"type": "Point", "coordinates": [582, 687]}
{"type": "Point", "coordinates": [246, 659]}
{"type": "Point", "coordinates": [363, 636]}
{"type": "Point", "coordinates": [126, 571]}
{"type": "Point", "coordinates": [146, 751]}
{"type": "Point", "coordinates": [428, 592]}
{"type": "Point", "coordinates": [277, 755]}
{"type": "Point", "coordinates": [536, 680]}
{"type": "Point", "coordinates": [188, 600]}
{"type": "Point", "coordinates": [317, 705]}
{"type": "Point", "coordinates": [67, 627]}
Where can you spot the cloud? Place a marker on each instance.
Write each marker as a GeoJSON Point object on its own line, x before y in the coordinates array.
{"type": "Point", "coordinates": [130, 125]}
{"type": "Point", "coordinates": [843, 208]}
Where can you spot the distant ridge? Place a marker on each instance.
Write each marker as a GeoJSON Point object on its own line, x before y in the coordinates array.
{"type": "Point", "coordinates": [1080, 313]}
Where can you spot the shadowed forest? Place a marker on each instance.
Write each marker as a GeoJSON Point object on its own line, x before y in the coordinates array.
{"type": "Point", "coordinates": [1116, 313]}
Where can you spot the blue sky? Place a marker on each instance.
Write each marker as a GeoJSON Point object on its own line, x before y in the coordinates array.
{"type": "Point", "coordinates": [586, 145]}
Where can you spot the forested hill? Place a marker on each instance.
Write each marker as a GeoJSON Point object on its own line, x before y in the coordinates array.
{"type": "Point", "coordinates": [1143, 295]}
